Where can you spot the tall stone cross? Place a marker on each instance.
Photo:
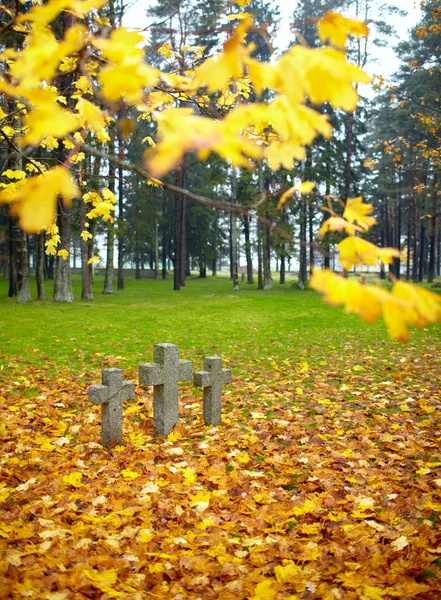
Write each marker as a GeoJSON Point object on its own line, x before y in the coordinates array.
{"type": "Point", "coordinates": [110, 395]}
{"type": "Point", "coordinates": [212, 380]}
{"type": "Point", "coordinates": [164, 375]}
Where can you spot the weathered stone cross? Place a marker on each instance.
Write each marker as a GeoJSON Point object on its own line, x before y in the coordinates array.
{"type": "Point", "coordinates": [110, 395]}
{"type": "Point", "coordinates": [164, 375]}
{"type": "Point", "coordinates": [212, 380]}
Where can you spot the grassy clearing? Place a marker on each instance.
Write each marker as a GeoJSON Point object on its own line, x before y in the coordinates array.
{"type": "Point", "coordinates": [204, 318]}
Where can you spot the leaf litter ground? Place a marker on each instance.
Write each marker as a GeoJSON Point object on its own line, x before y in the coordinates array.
{"type": "Point", "coordinates": [323, 482]}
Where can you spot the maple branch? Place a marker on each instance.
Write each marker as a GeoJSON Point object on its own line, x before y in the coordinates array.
{"type": "Point", "coordinates": [218, 204]}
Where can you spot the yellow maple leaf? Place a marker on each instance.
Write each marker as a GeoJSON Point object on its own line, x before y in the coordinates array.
{"type": "Point", "coordinates": [34, 202]}
{"type": "Point", "coordinates": [47, 118]}
{"type": "Point", "coordinates": [336, 28]}
{"type": "Point", "coordinates": [265, 590]}
{"type": "Point", "coordinates": [338, 224]}
{"type": "Point", "coordinates": [127, 75]}
{"type": "Point", "coordinates": [242, 3]}
{"type": "Point", "coordinates": [306, 187]}
{"type": "Point", "coordinates": [215, 73]}
{"type": "Point", "coordinates": [94, 259]}
{"type": "Point", "coordinates": [73, 479]}
{"type": "Point", "coordinates": [200, 501]}
{"type": "Point", "coordinates": [288, 572]}
{"type": "Point", "coordinates": [355, 251]}
{"type": "Point", "coordinates": [107, 577]}
{"type": "Point", "coordinates": [189, 476]}
{"type": "Point", "coordinates": [357, 212]}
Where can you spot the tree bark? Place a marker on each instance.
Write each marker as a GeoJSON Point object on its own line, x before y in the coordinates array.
{"type": "Point", "coordinates": [349, 140]}
{"type": "Point", "coordinates": [234, 232]}
{"type": "Point", "coordinates": [249, 259]}
{"type": "Point", "coordinates": [259, 258]}
{"type": "Point", "coordinates": [415, 239]}
{"type": "Point", "coordinates": [63, 284]}
{"type": "Point", "coordinates": [109, 286]}
{"type": "Point", "coordinates": [86, 282]}
{"type": "Point", "coordinates": [120, 284]}
{"type": "Point", "coordinates": [178, 245]}
{"type": "Point", "coordinates": [184, 260]}
{"type": "Point", "coordinates": [39, 269]}
{"type": "Point", "coordinates": [24, 289]}
{"type": "Point", "coordinates": [303, 267]}
{"type": "Point", "coordinates": [13, 241]}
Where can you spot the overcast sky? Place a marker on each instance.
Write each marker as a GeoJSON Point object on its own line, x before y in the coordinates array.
{"type": "Point", "coordinates": [386, 61]}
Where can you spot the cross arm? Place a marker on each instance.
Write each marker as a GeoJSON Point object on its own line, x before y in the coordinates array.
{"type": "Point", "coordinates": [202, 379]}
{"type": "Point", "coordinates": [127, 390]}
{"type": "Point", "coordinates": [185, 370]}
{"type": "Point", "coordinates": [226, 376]}
{"type": "Point", "coordinates": [98, 394]}
{"type": "Point", "coordinates": [150, 374]}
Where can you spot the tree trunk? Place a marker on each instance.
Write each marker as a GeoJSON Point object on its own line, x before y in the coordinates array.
{"type": "Point", "coordinates": [267, 278]}
{"type": "Point", "coordinates": [415, 239]}
{"type": "Point", "coordinates": [164, 238]}
{"type": "Point", "coordinates": [23, 275]}
{"type": "Point", "coordinates": [120, 284]}
{"type": "Point", "coordinates": [184, 259]}
{"type": "Point", "coordinates": [349, 140]}
{"type": "Point", "coordinates": [282, 279]}
{"type": "Point", "coordinates": [234, 232]}
{"type": "Point", "coordinates": [14, 235]}
{"type": "Point", "coordinates": [311, 237]}
{"type": "Point", "coordinates": [303, 267]}
{"type": "Point", "coordinates": [63, 284]}
{"type": "Point", "coordinates": [259, 258]}
{"type": "Point", "coordinates": [109, 287]}
{"type": "Point", "coordinates": [248, 254]}
{"type": "Point", "coordinates": [86, 282]}
{"type": "Point", "coordinates": [178, 246]}
{"type": "Point", "coordinates": [39, 268]}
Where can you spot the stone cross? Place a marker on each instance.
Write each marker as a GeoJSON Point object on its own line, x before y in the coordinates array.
{"type": "Point", "coordinates": [212, 380]}
{"type": "Point", "coordinates": [164, 375]}
{"type": "Point", "coordinates": [110, 395]}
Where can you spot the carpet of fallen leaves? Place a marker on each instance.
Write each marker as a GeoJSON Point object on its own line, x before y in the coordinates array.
{"type": "Point", "coordinates": [323, 482]}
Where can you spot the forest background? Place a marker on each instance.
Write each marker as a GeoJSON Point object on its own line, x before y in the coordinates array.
{"type": "Point", "coordinates": [323, 480]}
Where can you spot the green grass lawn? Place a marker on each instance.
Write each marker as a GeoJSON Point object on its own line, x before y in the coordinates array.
{"type": "Point", "coordinates": [206, 317]}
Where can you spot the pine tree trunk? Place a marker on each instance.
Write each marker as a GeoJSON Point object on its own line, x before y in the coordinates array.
{"type": "Point", "coordinates": [164, 239]}
{"type": "Point", "coordinates": [259, 258]}
{"type": "Point", "coordinates": [13, 241]}
{"type": "Point", "coordinates": [62, 284]}
{"type": "Point", "coordinates": [282, 279]}
{"type": "Point", "coordinates": [303, 267]}
{"type": "Point", "coordinates": [120, 284]}
{"type": "Point", "coordinates": [39, 269]}
{"type": "Point", "coordinates": [178, 245]}
{"type": "Point", "coordinates": [184, 260]}
{"type": "Point", "coordinates": [249, 259]}
{"type": "Point", "coordinates": [86, 283]}
{"type": "Point", "coordinates": [267, 278]}
{"type": "Point", "coordinates": [24, 289]}
{"type": "Point", "coordinates": [349, 141]}
{"type": "Point", "coordinates": [415, 239]}
{"type": "Point", "coordinates": [109, 286]}
{"type": "Point", "coordinates": [311, 238]}
{"type": "Point", "coordinates": [234, 232]}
